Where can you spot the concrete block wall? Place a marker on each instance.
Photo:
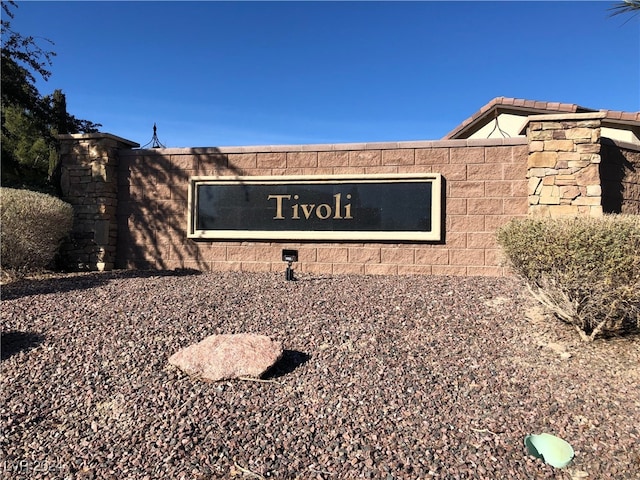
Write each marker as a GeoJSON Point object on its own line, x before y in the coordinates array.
{"type": "Point", "coordinates": [485, 185]}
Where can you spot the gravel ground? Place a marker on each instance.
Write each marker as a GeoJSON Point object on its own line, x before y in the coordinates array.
{"type": "Point", "coordinates": [382, 377]}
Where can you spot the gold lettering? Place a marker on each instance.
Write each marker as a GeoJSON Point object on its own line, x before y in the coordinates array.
{"type": "Point", "coordinates": [337, 197]}
{"type": "Point", "coordinates": [296, 214]}
{"type": "Point", "coordinates": [322, 211]}
{"type": "Point", "coordinates": [279, 199]}
{"type": "Point", "coordinates": [327, 211]}
{"type": "Point", "coordinates": [308, 211]}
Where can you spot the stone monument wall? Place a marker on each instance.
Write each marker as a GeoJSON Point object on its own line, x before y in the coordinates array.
{"type": "Point", "coordinates": [132, 208]}
{"type": "Point", "coordinates": [484, 183]}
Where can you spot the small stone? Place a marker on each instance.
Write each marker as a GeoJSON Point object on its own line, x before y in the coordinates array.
{"type": "Point", "coordinates": [579, 474]}
{"type": "Point", "coordinates": [220, 357]}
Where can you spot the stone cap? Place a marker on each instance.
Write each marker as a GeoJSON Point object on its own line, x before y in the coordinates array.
{"type": "Point", "coordinates": [99, 135]}
{"type": "Point", "coordinates": [331, 147]}
{"type": "Point", "coordinates": [566, 116]}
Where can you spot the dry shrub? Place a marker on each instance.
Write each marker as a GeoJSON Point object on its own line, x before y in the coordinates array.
{"type": "Point", "coordinates": [33, 227]}
{"type": "Point", "coordinates": [585, 270]}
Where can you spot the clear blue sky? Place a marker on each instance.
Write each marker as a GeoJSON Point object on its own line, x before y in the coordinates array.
{"type": "Point", "coordinates": [261, 73]}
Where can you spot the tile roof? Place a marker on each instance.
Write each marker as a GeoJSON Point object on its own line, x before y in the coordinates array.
{"type": "Point", "coordinates": [531, 107]}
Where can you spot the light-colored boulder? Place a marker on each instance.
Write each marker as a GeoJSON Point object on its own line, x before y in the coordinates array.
{"type": "Point", "coordinates": [221, 357]}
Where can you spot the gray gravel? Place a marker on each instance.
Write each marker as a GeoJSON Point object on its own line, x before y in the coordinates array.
{"type": "Point", "coordinates": [383, 378]}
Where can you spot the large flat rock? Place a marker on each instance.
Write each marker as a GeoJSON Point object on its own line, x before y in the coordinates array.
{"type": "Point", "coordinates": [221, 357]}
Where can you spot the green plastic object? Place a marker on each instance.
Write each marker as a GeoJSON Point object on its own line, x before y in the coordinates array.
{"type": "Point", "coordinates": [553, 450]}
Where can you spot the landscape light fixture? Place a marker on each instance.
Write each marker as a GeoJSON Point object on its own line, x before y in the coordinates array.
{"type": "Point", "coordinates": [289, 256]}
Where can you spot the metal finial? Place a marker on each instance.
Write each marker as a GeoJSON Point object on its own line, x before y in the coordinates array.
{"type": "Point", "coordinates": [155, 141]}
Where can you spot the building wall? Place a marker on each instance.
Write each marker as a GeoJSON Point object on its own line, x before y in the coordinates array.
{"type": "Point", "coordinates": [485, 186]}
{"type": "Point", "coordinates": [622, 135]}
{"type": "Point", "coordinates": [509, 125]}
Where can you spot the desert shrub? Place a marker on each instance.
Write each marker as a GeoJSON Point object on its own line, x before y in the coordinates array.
{"type": "Point", "coordinates": [33, 227]}
{"type": "Point", "coordinates": [585, 270]}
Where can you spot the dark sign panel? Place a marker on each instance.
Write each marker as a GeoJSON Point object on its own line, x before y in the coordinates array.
{"type": "Point", "coordinates": [398, 207]}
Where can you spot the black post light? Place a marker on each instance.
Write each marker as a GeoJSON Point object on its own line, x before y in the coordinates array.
{"type": "Point", "coordinates": [289, 256]}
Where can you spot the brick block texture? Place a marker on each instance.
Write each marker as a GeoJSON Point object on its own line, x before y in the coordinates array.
{"type": "Point", "coordinates": [485, 186]}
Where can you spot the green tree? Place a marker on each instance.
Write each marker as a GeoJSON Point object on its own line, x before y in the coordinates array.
{"type": "Point", "coordinates": [25, 146]}
{"type": "Point", "coordinates": [22, 59]}
{"type": "Point", "coordinates": [30, 121]}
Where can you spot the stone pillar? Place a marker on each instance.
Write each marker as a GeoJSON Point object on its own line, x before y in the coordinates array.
{"type": "Point", "coordinates": [564, 165]}
{"type": "Point", "coordinates": [89, 182]}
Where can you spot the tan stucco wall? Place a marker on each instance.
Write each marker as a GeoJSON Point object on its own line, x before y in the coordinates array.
{"type": "Point", "coordinates": [620, 135]}
{"type": "Point", "coordinates": [510, 125]}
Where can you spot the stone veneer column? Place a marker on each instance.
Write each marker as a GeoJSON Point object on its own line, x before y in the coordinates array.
{"type": "Point", "coordinates": [89, 182]}
{"type": "Point", "coordinates": [564, 165]}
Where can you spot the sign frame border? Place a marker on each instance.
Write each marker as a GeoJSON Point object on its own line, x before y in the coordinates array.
{"type": "Point", "coordinates": [366, 236]}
